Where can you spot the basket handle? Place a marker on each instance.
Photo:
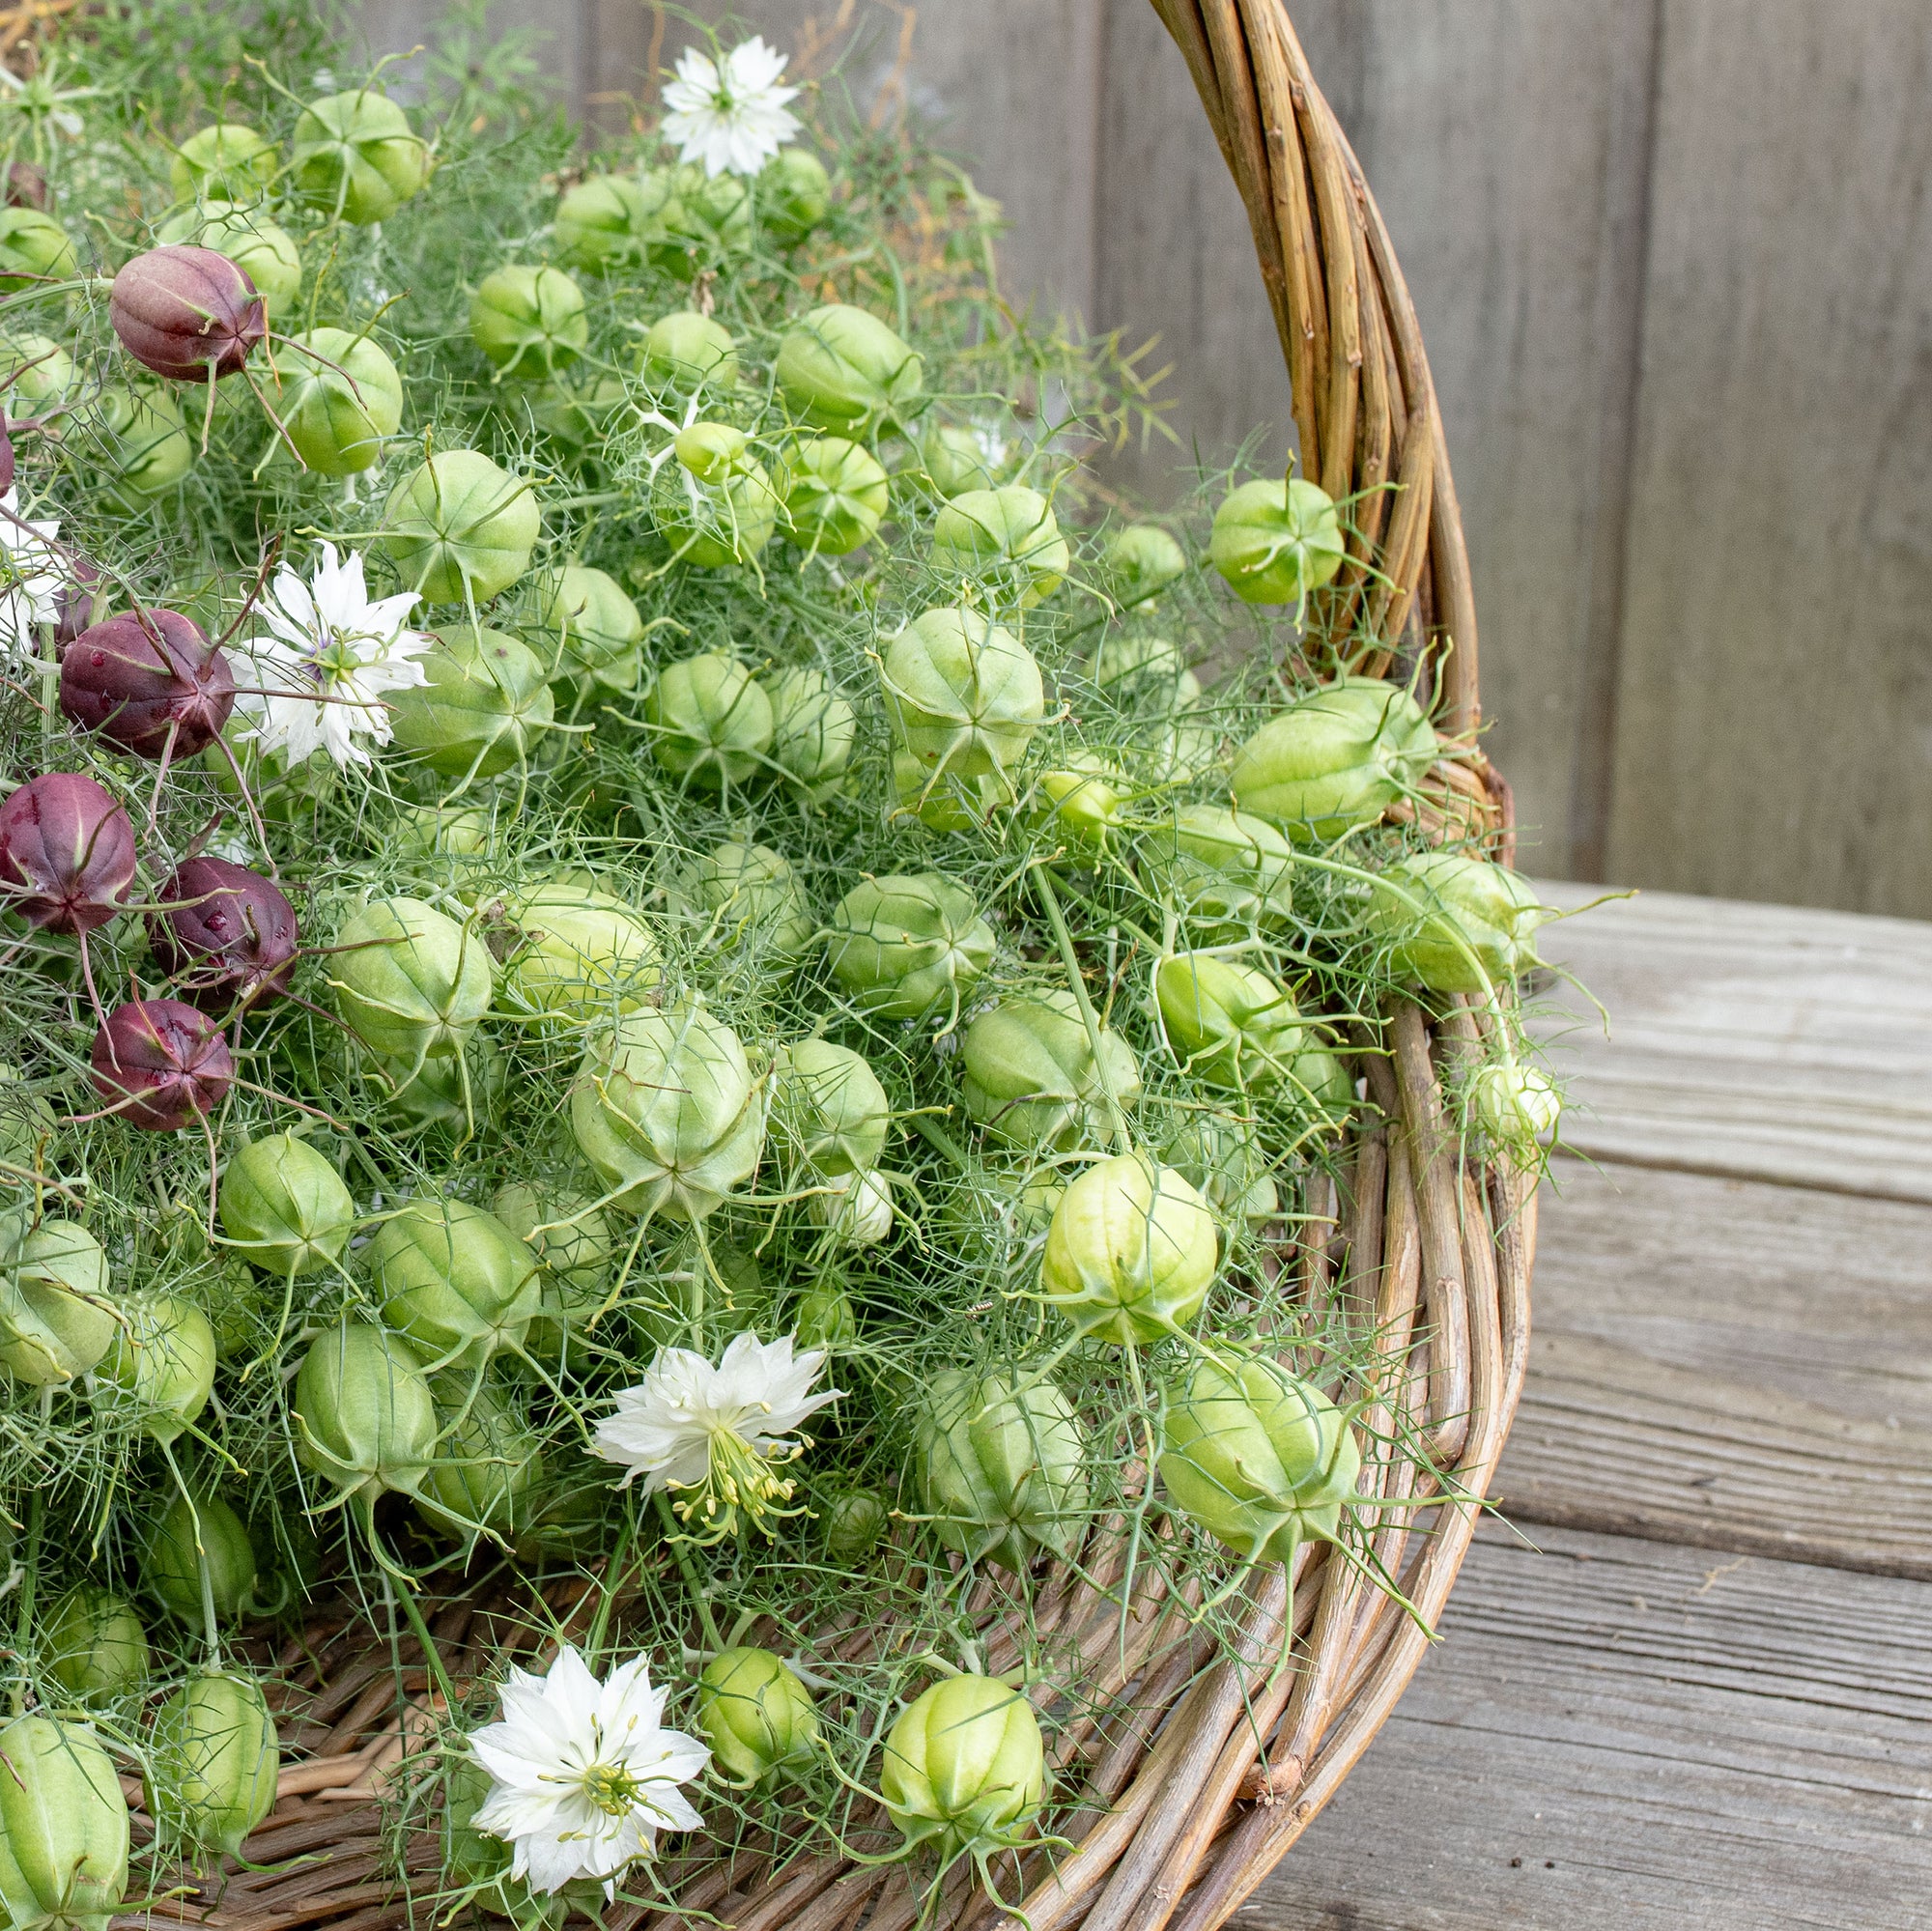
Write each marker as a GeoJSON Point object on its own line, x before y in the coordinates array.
{"type": "Point", "coordinates": [1364, 404]}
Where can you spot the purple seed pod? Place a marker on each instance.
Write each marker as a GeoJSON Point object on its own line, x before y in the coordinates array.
{"type": "Point", "coordinates": [6, 462]}
{"type": "Point", "coordinates": [144, 676]}
{"type": "Point", "coordinates": [67, 853]}
{"type": "Point", "coordinates": [26, 186]}
{"type": "Point", "coordinates": [187, 313]}
{"type": "Point", "coordinates": [227, 935]}
{"type": "Point", "coordinates": [159, 1065]}
{"type": "Point", "coordinates": [79, 602]}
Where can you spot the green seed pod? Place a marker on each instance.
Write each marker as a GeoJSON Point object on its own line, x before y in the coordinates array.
{"type": "Point", "coordinates": [812, 728]}
{"type": "Point", "coordinates": [364, 1417]}
{"type": "Point", "coordinates": [214, 1763]}
{"type": "Point", "coordinates": [454, 1280]}
{"type": "Point", "coordinates": [339, 417]}
{"type": "Point", "coordinates": [487, 1463]}
{"type": "Point", "coordinates": [228, 161]}
{"type": "Point", "coordinates": [597, 626]}
{"type": "Point", "coordinates": [854, 1208]}
{"type": "Point", "coordinates": [1032, 1079]}
{"type": "Point", "coordinates": [1006, 539]}
{"type": "Point", "coordinates": [581, 953]}
{"type": "Point", "coordinates": [756, 1716]}
{"type": "Point", "coordinates": [1323, 1087]}
{"type": "Point", "coordinates": [999, 1459]}
{"type": "Point", "coordinates": [711, 450]}
{"type": "Point", "coordinates": [459, 526]}
{"type": "Point", "coordinates": [835, 496]}
{"type": "Point", "coordinates": [38, 373]}
{"type": "Point", "coordinates": [63, 1827]}
{"type": "Point", "coordinates": [1131, 1252]}
{"type": "Point", "coordinates": [574, 1261]}
{"type": "Point", "coordinates": [462, 1093]}
{"type": "Point", "coordinates": [1142, 560]}
{"type": "Point", "coordinates": [703, 217]}
{"type": "Point", "coordinates": [451, 831]}
{"type": "Point", "coordinates": [1259, 1459]}
{"type": "Point", "coordinates": [825, 1316]}
{"type": "Point", "coordinates": [486, 702]}
{"type": "Point", "coordinates": [603, 222]}
{"type": "Point", "coordinates": [1336, 759]}
{"type": "Point", "coordinates": [354, 158]}
{"type": "Point", "coordinates": [26, 1123]}
{"type": "Point", "coordinates": [410, 982]}
{"type": "Point", "coordinates": [1220, 1158]}
{"type": "Point", "coordinates": [840, 368]}
{"type": "Point", "coordinates": [285, 1206]}
{"type": "Point", "coordinates": [855, 1519]}
{"type": "Point", "coordinates": [95, 1646]}
{"type": "Point", "coordinates": [262, 250]}
{"type": "Point", "coordinates": [684, 351]}
{"type": "Point", "coordinates": [528, 321]}
{"type": "Point", "coordinates": [829, 1111]}
{"type": "Point", "coordinates": [904, 948]}
{"type": "Point", "coordinates": [1275, 542]}
{"type": "Point", "coordinates": [1080, 801]}
{"type": "Point", "coordinates": [195, 1532]}
{"type": "Point", "coordinates": [667, 1113]}
{"type": "Point", "coordinates": [965, 692]}
{"type": "Point", "coordinates": [55, 1318]}
{"type": "Point", "coordinates": [1234, 1026]}
{"type": "Point", "coordinates": [1515, 1105]}
{"type": "Point", "coordinates": [1221, 867]}
{"type": "Point", "coordinates": [955, 460]}
{"type": "Point", "coordinates": [713, 525]}
{"type": "Point", "coordinates": [145, 445]}
{"type": "Point", "coordinates": [794, 193]}
{"type": "Point", "coordinates": [1145, 669]}
{"type": "Point", "coordinates": [965, 1769]}
{"type": "Point", "coordinates": [34, 250]}
{"type": "Point", "coordinates": [159, 1369]}
{"type": "Point", "coordinates": [711, 718]}
{"type": "Point", "coordinates": [750, 899]}
{"type": "Point", "coordinates": [1457, 924]}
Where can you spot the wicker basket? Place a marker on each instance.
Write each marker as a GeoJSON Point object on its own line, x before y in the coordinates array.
{"type": "Point", "coordinates": [1204, 1779]}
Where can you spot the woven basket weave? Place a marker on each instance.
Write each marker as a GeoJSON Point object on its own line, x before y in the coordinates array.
{"type": "Point", "coordinates": [1204, 1776]}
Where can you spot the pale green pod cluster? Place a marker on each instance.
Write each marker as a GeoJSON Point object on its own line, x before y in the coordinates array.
{"type": "Point", "coordinates": [854, 1208]}
{"type": "Point", "coordinates": [39, 373]}
{"type": "Point", "coordinates": [965, 694]}
{"type": "Point", "coordinates": [1132, 1251]}
{"type": "Point", "coordinates": [1335, 760]}
{"type": "Point", "coordinates": [596, 625]}
{"type": "Point", "coordinates": [1220, 1157]}
{"type": "Point", "coordinates": [410, 982]}
{"type": "Point", "coordinates": [756, 1716]}
{"type": "Point", "coordinates": [454, 1280]}
{"type": "Point", "coordinates": [33, 249]}
{"type": "Point", "coordinates": [485, 702]}
{"type": "Point", "coordinates": [813, 729]}
{"type": "Point", "coordinates": [1260, 1458]}
{"type": "Point", "coordinates": [965, 1768]}
{"type": "Point", "coordinates": [227, 161]}
{"type": "Point", "coordinates": [284, 1206]}
{"type": "Point", "coordinates": [684, 351]}
{"type": "Point", "coordinates": [717, 505]}
{"type": "Point", "coordinates": [1032, 1079]}
{"type": "Point", "coordinates": [1277, 541]}
{"type": "Point", "coordinates": [907, 947]}
{"type": "Point", "coordinates": [143, 442]}
{"type": "Point", "coordinates": [602, 222]}
{"type": "Point", "coordinates": [1006, 539]}
{"type": "Point", "coordinates": [1001, 1466]}
{"type": "Point", "coordinates": [794, 193]}
{"type": "Point", "coordinates": [841, 368]}
{"type": "Point", "coordinates": [1002, 1210]}
{"type": "Point", "coordinates": [1455, 923]}
{"type": "Point", "coordinates": [955, 460]}
{"type": "Point", "coordinates": [56, 1319]}
{"type": "Point", "coordinates": [64, 1828]}
{"type": "Point", "coordinates": [1141, 561]}
{"type": "Point", "coordinates": [1517, 1105]}
{"type": "Point", "coordinates": [213, 1761]}
{"type": "Point", "coordinates": [668, 1111]}
{"type": "Point", "coordinates": [855, 1519]}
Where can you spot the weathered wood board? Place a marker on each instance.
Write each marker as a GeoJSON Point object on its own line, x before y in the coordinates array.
{"type": "Point", "coordinates": [1748, 1040]}
{"type": "Point", "coordinates": [1624, 1733]}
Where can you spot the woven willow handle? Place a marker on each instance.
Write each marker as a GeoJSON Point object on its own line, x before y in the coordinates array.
{"type": "Point", "coordinates": [1364, 404]}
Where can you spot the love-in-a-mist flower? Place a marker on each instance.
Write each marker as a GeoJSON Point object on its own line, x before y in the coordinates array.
{"type": "Point", "coordinates": [31, 578]}
{"type": "Point", "coordinates": [716, 1436]}
{"type": "Point", "coordinates": [729, 114]}
{"type": "Point", "coordinates": [331, 654]}
{"type": "Point", "coordinates": [583, 1774]}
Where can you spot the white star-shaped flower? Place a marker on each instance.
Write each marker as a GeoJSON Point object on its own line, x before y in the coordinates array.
{"type": "Point", "coordinates": [730, 115]}
{"type": "Point", "coordinates": [582, 1775]}
{"type": "Point", "coordinates": [331, 654]}
{"type": "Point", "coordinates": [720, 1431]}
{"type": "Point", "coordinates": [31, 578]}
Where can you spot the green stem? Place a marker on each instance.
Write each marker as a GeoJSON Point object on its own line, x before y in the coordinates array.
{"type": "Point", "coordinates": [1118, 1118]}
{"type": "Point", "coordinates": [675, 1531]}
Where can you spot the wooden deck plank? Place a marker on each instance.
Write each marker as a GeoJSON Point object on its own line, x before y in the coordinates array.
{"type": "Point", "coordinates": [1730, 1363]}
{"type": "Point", "coordinates": [1617, 1735]}
{"type": "Point", "coordinates": [1754, 1041]}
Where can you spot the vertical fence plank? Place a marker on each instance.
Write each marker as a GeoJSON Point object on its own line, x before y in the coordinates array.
{"type": "Point", "coordinates": [1777, 681]}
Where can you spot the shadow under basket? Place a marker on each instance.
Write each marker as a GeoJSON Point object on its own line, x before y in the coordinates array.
{"type": "Point", "coordinates": [1207, 1768]}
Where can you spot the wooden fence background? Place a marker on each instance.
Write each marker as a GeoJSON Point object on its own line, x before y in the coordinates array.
{"type": "Point", "coordinates": [1674, 260]}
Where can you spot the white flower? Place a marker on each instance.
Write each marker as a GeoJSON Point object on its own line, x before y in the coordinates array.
{"type": "Point", "coordinates": [331, 654]}
{"type": "Point", "coordinates": [717, 1430]}
{"type": "Point", "coordinates": [583, 1775]}
{"type": "Point", "coordinates": [31, 578]}
{"type": "Point", "coordinates": [730, 117]}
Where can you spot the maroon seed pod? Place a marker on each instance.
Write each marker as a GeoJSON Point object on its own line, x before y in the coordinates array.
{"type": "Point", "coordinates": [26, 186]}
{"type": "Point", "coordinates": [160, 1064]}
{"type": "Point", "coordinates": [145, 674]}
{"type": "Point", "coordinates": [6, 462]}
{"type": "Point", "coordinates": [227, 935]}
{"type": "Point", "coordinates": [67, 853]}
{"type": "Point", "coordinates": [78, 602]}
{"type": "Point", "coordinates": [187, 312]}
